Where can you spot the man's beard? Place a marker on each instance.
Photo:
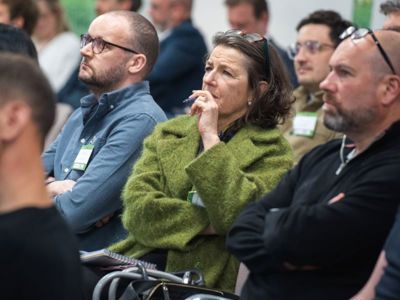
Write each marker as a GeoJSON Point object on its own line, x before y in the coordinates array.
{"type": "Point", "coordinates": [349, 121]}
{"type": "Point", "coordinates": [105, 81]}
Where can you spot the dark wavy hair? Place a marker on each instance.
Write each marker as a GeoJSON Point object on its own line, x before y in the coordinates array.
{"type": "Point", "coordinates": [330, 18]}
{"type": "Point", "coordinates": [272, 106]}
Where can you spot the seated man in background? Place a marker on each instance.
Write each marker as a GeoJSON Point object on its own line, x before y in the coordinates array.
{"type": "Point", "coordinates": [391, 9]}
{"type": "Point", "coordinates": [318, 234]}
{"type": "Point", "coordinates": [39, 255]}
{"type": "Point", "coordinates": [92, 157]}
{"type": "Point", "coordinates": [104, 6]}
{"type": "Point", "coordinates": [252, 16]}
{"type": "Point", "coordinates": [19, 13]}
{"type": "Point", "coordinates": [179, 68]}
{"type": "Point", "coordinates": [318, 36]}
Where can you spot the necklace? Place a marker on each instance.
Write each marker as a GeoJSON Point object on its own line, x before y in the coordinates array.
{"type": "Point", "coordinates": [344, 161]}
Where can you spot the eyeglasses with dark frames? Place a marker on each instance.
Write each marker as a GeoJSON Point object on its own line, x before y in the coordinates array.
{"type": "Point", "coordinates": [98, 44]}
{"type": "Point", "coordinates": [254, 38]}
{"type": "Point", "coordinates": [360, 33]}
{"type": "Point", "coordinates": [311, 47]}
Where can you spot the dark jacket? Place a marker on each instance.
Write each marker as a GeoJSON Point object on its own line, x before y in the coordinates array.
{"type": "Point", "coordinates": [296, 224]}
{"type": "Point", "coordinates": [179, 68]}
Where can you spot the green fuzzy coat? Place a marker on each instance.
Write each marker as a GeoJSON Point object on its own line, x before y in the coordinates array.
{"type": "Point", "coordinates": [226, 177]}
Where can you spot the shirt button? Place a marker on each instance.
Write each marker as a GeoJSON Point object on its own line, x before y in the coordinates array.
{"type": "Point", "coordinates": [83, 141]}
{"type": "Point", "coordinates": [66, 170]}
{"type": "Point", "coordinates": [111, 106]}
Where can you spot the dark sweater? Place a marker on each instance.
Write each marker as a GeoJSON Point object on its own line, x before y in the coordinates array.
{"type": "Point", "coordinates": [38, 256]}
{"type": "Point", "coordinates": [341, 241]}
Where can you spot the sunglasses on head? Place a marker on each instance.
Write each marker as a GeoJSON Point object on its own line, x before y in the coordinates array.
{"type": "Point", "coordinates": [356, 34]}
{"type": "Point", "coordinates": [254, 38]}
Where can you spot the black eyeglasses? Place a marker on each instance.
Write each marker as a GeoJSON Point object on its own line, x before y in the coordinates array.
{"type": "Point", "coordinates": [253, 38]}
{"type": "Point", "coordinates": [311, 47]}
{"type": "Point", "coordinates": [98, 44]}
{"type": "Point", "coordinates": [360, 33]}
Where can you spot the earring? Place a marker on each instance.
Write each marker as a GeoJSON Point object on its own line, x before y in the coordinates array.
{"type": "Point", "coordinates": [249, 102]}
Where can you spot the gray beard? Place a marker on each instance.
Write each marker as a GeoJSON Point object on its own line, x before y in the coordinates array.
{"type": "Point", "coordinates": [349, 121]}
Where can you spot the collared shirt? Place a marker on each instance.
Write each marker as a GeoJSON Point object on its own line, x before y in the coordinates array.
{"type": "Point", "coordinates": [307, 103]}
{"type": "Point", "coordinates": [115, 125]}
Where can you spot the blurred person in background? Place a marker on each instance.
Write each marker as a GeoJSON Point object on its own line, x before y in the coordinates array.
{"type": "Point", "coordinates": [103, 6]}
{"type": "Point", "coordinates": [391, 9]}
{"type": "Point", "coordinates": [317, 38]}
{"type": "Point", "coordinates": [57, 46]}
{"type": "Point", "coordinates": [180, 65]}
{"type": "Point", "coordinates": [59, 57]}
{"type": "Point", "coordinates": [19, 13]}
{"type": "Point", "coordinates": [253, 16]}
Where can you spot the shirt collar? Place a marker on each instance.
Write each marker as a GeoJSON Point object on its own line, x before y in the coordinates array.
{"type": "Point", "coordinates": [109, 101]}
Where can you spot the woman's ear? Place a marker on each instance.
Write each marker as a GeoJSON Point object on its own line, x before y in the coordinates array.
{"type": "Point", "coordinates": [263, 86]}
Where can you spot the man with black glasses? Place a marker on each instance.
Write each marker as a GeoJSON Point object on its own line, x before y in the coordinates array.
{"type": "Point", "coordinates": [90, 160]}
{"type": "Point", "coordinates": [318, 234]}
{"type": "Point", "coordinates": [318, 36]}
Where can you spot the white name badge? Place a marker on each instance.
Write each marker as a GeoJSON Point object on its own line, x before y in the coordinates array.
{"type": "Point", "coordinates": [82, 159]}
{"type": "Point", "coordinates": [304, 124]}
{"type": "Point", "coordinates": [195, 199]}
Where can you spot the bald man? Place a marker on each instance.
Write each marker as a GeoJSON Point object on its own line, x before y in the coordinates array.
{"type": "Point", "coordinates": [89, 162]}
{"type": "Point", "coordinates": [318, 234]}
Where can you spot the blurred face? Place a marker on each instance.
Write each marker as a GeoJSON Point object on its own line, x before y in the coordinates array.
{"type": "Point", "coordinates": [242, 17]}
{"type": "Point", "coordinates": [226, 78]}
{"type": "Point", "coordinates": [351, 90]}
{"type": "Point", "coordinates": [159, 12]}
{"type": "Point", "coordinates": [103, 6]}
{"type": "Point", "coordinates": [4, 14]}
{"type": "Point", "coordinates": [107, 70]}
{"type": "Point", "coordinates": [312, 66]}
{"type": "Point", "coordinates": [392, 20]}
{"type": "Point", "coordinates": [46, 27]}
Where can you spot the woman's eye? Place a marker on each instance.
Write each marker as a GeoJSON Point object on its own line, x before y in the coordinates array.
{"type": "Point", "coordinates": [227, 73]}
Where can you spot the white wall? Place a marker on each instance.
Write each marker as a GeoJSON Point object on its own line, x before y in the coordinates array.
{"type": "Point", "coordinates": [210, 15]}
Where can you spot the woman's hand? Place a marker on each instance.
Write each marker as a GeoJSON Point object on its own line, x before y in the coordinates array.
{"type": "Point", "coordinates": [206, 108]}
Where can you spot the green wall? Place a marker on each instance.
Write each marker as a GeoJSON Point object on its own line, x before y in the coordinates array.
{"type": "Point", "coordinates": [79, 13]}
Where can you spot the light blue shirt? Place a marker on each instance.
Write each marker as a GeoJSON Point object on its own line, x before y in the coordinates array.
{"type": "Point", "coordinates": [116, 125]}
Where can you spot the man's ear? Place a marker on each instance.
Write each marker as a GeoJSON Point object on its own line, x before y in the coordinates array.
{"type": "Point", "coordinates": [390, 89]}
{"type": "Point", "coordinates": [137, 63]}
{"type": "Point", "coordinates": [14, 117]}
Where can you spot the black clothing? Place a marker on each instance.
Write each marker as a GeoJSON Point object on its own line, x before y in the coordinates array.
{"type": "Point", "coordinates": [296, 224]}
{"type": "Point", "coordinates": [38, 256]}
{"type": "Point", "coordinates": [389, 286]}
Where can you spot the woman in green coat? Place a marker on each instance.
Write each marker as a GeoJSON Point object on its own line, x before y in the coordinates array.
{"type": "Point", "coordinates": [197, 172]}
